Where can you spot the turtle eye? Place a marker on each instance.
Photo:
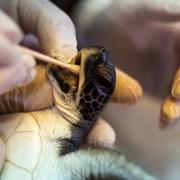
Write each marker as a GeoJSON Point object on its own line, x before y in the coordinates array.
{"type": "Point", "coordinates": [64, 87]}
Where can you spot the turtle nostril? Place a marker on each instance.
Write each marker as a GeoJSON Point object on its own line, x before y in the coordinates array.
{"type": "Point", "coordinates": [104, 54]}
{"type": "Point", "coordinates": [103, 50]}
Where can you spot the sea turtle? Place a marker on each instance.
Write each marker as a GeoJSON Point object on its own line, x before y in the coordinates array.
{"type": "Point", "coordinates": [43, 125]}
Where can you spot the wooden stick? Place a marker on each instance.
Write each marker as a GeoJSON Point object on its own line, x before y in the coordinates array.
{"type": "Point", "coordinates": [71, 67]}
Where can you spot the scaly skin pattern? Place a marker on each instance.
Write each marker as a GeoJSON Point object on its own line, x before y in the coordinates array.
{"type": "Point", "coordinates": [43, 125]}
{"type": "Point", "coordinates": [31, 143]}
{"type": "Point", "coordinates": [32, 152]}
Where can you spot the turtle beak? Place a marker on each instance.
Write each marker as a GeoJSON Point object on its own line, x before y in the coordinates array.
{"type": "Point", "coordinates": [95, 64]}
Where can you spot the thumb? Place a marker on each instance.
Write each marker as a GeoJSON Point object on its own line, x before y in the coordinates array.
{"type": "Point", "coordinates": [54, 29]}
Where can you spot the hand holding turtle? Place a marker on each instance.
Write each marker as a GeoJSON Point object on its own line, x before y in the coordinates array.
{"type": "Point", "coordinates": [16, 69]}
{"type": "Point", "coordinates": [52, 27]}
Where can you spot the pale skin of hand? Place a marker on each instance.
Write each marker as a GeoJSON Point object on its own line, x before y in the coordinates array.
{"type": "Point", "coordinates": [16, 69]}
{"type": "Point", "coordinates": [54, 31]}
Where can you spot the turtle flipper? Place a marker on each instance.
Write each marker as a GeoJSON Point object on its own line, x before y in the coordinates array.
{"type": "Point", "coordinates": [99, 164]}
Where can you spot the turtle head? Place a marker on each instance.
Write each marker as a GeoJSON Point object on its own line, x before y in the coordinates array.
{"type": "Point", "coordinates": [96, 82]}
{"type": "Point", "coordinates": [88, 93]}
{"type": "Point", "coordinates": [81, 99]}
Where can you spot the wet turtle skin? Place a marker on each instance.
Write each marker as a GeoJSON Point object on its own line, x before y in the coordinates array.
{"type": "Point", "coordinates": [44, 124]}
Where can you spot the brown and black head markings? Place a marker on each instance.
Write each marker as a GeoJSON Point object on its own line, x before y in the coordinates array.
{"type": "Point", "coordinates": [86, 95]}
{"type": "Point", "coordinates": [98, 85]}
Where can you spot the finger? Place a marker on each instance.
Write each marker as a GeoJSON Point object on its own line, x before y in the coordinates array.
{"type": "Point", "coordinates": [51, 25]}
{"type": "Point", "coordinates": [175, 91]}
{"type": "Point", "coordinates": [9, 55]}
{"type": "Point", "coordinates": [9, 29]}
{"type": "Point", "coordinates": [31, 42]}
{"type": "Point", "coordinates": [101, 135]}
{"type": "Point", "coordinates": [15, 68]}
{"type": "Point", "coordinates": [170, 111]}
{"type": "Point", "coordinates": [127, 90]}
{"type": "Point", "coordinates": [28, 61]}
{"type": "Point", "coordinates": [28, 78]}
{"type": "Point", "coordinates": [22, 73]}
{"type": "Point", "coordinates": [28, 64]}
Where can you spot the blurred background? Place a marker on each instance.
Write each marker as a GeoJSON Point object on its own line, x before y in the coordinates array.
{"type": "Point", "coordinates": [142, 38]}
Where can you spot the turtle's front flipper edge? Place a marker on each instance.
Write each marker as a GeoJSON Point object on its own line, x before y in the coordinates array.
{"type": "Point", "coordinates": [102, 164]}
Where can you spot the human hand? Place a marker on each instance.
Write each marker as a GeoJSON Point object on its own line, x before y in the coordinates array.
{"type": "Point", "coordinates": [51, 27]}
{"type": "Point", "coordinates": [16, 69]}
